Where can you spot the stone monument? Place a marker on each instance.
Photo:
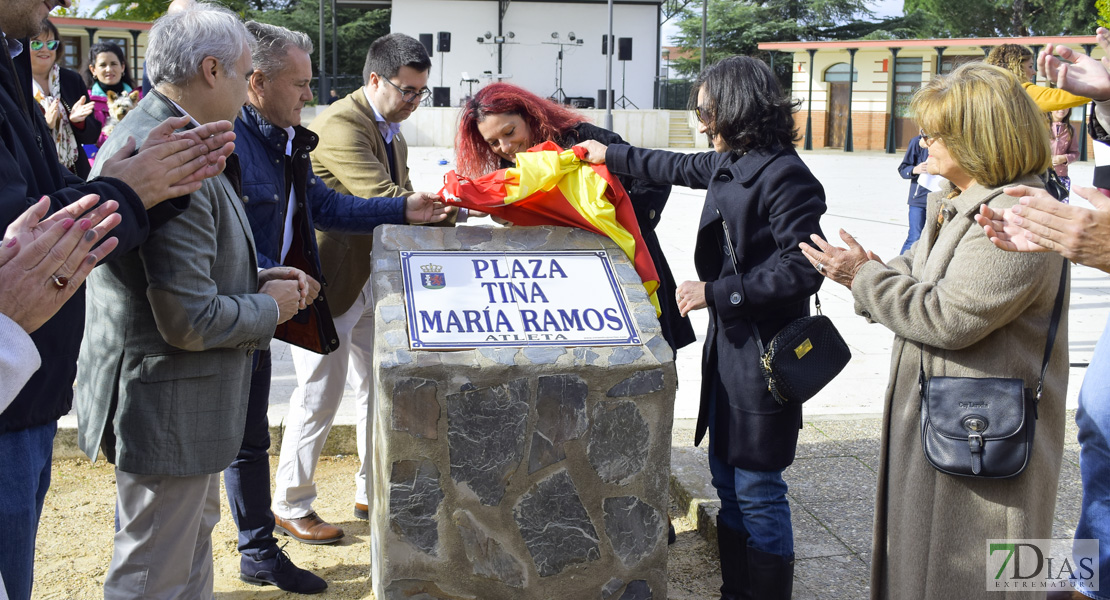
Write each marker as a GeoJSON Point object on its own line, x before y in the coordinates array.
{"type": "Point", "coordinates": [517, 472]}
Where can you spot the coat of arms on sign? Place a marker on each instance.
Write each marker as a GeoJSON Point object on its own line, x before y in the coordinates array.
{"type": "Point", "coordinates": [432, 276]}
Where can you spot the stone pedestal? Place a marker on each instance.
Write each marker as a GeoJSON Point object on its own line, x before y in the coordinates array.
{"type": "Point", "coordinates": [517, 473]}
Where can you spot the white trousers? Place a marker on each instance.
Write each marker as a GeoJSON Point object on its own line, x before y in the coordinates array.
{"type": "Point", "coordinates": [163, 549]}
{"type": "Point", "coordinates": [312, 408]}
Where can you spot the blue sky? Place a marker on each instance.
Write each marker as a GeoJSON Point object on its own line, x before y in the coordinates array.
{"type": "Point", "coordinates": [887, 8]}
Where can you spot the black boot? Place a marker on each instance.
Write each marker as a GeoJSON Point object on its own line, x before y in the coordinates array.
{"type": "Point", "coordinates": [732, 545]}
{"type": "Point", "coordinates": [771, 575]}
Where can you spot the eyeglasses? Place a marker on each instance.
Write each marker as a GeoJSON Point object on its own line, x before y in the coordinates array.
{"type": "Point", "coordinates": [410, 96]}
{"type": "Point", "coordinates": [37, 45]}
{"type": "Point", "coordinates": [926, 138]}
{"type": "Point", "coordinates": [701, 113]}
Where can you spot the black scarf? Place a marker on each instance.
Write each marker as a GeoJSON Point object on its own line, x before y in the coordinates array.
{"type": "Point", "coordinates": [120, 88]}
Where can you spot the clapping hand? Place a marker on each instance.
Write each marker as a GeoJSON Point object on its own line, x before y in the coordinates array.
{"type": "Point", "coordinates": [53, 114]}
{"type": "Point", "coordinates": [838, 264]}
{"type": "Point", "coordinates": [80, 111]}
{"type": "Point", "coordinates": [44, 262]}
{"type": "Point", "coordinates": [1040, 223]}
{"type": "Point", "coordinates": [31, 225]}
{"type": "Point", "coordinates": [1085, 76]}
{"type": "Point", "coordinates": [172, 163]}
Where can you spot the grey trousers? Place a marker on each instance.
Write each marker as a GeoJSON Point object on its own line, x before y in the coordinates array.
{"type": "Point", "coordinates": [163, 549]}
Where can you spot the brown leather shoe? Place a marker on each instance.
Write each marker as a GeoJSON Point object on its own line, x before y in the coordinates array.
{"type": "Point", "coordinates": [309, 529]}
{"type": "Point", "coordinates": [362, 511]}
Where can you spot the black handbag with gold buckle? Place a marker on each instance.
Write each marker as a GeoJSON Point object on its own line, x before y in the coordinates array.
{"type": "Point", "coordinates": [983, 426]}
{"type": "Point", "coordinates": [803, 357]}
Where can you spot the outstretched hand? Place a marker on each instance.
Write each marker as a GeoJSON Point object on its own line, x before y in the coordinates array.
{"type": "Point", "coordinates": [426, 207]}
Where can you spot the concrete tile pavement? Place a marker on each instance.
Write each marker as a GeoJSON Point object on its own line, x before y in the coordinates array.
{"type": "Point", "coordinates": [832, 494]}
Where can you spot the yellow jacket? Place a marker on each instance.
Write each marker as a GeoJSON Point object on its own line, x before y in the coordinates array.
{"type": "Point", "coordinates": [1050, 99]}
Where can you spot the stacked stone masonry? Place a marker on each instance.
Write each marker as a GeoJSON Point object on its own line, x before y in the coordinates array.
{"type": "Point", "coordinates": [517, 473]}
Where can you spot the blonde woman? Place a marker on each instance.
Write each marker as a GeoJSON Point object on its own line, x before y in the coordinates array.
{"type": "Point", "coordinates": [962, 308]}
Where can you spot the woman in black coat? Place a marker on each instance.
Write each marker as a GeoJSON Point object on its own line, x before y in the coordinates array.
{"type": "Point", "coordinates": [61, 95]}
{"type": "Point", "coordinates": [503, 119]}
{"type": "Point", "coordinates": [762, 201]}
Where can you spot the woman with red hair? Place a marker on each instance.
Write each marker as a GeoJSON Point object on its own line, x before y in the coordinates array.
{"type": "Point", "coordinates": [502, 119]}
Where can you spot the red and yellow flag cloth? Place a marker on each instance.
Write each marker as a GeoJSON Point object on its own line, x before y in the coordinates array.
{"type": "Point", "coordinates": [552, 186]}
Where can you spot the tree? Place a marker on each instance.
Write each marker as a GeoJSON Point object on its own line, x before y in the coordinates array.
{"type": "Point", "coordinates": [1006, 18]}
{"type": "Point", "coordinates": [738, 26]}
{"type": "Point", "coordinates": [357, 27]}
{"type": "Point", "coordinates": [149, 10]}
{"type": "Point", "coordinates": [1103, 7]}
{"type": "Point", "coordinates": [74, 10]}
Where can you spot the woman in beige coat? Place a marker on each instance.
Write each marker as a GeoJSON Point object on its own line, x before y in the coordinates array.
{"type": "Point", "coordinates": [967, 309]}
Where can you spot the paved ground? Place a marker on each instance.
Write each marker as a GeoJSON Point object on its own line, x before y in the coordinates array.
{"type": "Point", "coordinates": [833, 481]}
{"type": "Point", "coordinates": [832, 496]}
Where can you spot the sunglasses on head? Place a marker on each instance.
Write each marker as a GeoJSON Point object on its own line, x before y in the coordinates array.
{"type": "Point", "coordinates": [37, 45]}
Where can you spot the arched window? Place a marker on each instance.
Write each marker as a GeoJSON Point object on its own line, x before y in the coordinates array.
{"type": "Point", "coordinates": [838, 73]}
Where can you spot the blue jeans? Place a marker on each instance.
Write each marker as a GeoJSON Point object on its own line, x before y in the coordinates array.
{"type": "Point", "coordinates": [917, 223]}
{"type": "Point", "coordinates": [24, 478]}
{"type": "Point", "coordinates": [752, 501]}
{"type": "Point", "coordinates": [247, 479]}
{"type": "Point", "coordinates": [1093, 419]}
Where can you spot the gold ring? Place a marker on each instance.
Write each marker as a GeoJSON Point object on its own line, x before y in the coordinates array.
{"type": "Point", "coordinates": [59, 282]}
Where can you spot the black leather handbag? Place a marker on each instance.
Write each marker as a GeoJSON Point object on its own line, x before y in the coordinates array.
{"type": "Point", "coordinates": [1054, 186]}
{"type": "Point", "coordinates": [803, 357]}
{"type": "Point", "coordinates": [983, 426]}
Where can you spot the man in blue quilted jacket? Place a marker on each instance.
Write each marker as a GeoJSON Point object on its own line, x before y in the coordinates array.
{"type": "Point", "coordinates": [284, 202]}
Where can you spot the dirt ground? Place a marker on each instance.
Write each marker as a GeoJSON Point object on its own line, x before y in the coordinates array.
{"type": "Point", "coordinates": [75, 541]}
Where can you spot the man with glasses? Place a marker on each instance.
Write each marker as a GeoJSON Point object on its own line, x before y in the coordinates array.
{"type": "Point", "coordinates": [361, 153]}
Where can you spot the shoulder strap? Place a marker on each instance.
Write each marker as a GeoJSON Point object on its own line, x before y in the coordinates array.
{"type": "Point", "coordinates": [736, 270]}
{"type": "Point", "coordinates": [1053, 325]}
{"type": "Point", "coordinates": [1057, 308]}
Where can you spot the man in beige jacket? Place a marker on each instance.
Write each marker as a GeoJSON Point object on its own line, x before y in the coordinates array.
{"type": "Point", "coordinates": [362, 153]}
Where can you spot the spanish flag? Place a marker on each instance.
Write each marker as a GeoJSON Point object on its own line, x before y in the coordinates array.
{"type": "Point", "coordinates": [552, 186]}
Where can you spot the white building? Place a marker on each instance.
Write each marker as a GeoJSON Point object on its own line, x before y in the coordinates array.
{"type": "Point", "coordinates": [520, 41]}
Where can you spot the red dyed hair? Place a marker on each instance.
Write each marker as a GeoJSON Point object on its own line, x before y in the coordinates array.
{"type": "Point", "coordinates": [546, 120]}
